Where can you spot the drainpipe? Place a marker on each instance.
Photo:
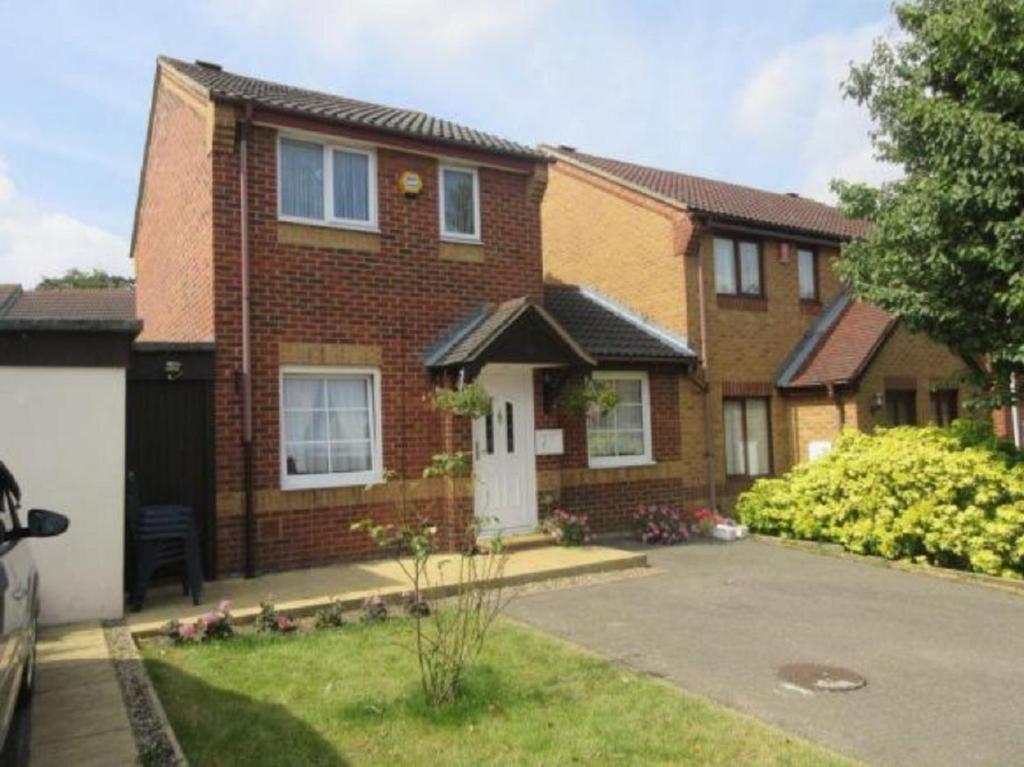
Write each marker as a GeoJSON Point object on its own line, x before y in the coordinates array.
{"type": "Point", "coordinates": [709, 454]}
{"type": "Point", "coordinates": [247, 453]}
{"type": "Point", "coordinates": [1015, 412]}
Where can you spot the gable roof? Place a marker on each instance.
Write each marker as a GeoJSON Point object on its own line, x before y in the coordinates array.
{"type": "Point", "coordinates": [228, 86]}
{"type": "Point", "coordinates": [68, 308]}
{"type": "Point", "coordinates": [609, 331]}
{"type": "Point", "coordinates": [719, 198]}
{"type": "Point", "coordinates": [468, 341]}
{"type": "Point", "coordinates": [840, 345]}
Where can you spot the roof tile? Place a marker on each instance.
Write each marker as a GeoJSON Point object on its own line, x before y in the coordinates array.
{"type": "Point", "coordinates": [73, 304]}
{"type": "Point", "coordinates": [720, 198]}
{"type": "Point", "coordinates": [227, 85]}
{"type": "Point", "coordinates": [841, 352]}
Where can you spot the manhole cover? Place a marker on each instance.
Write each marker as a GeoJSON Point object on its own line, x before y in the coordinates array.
{"type": "Point", "coordinates": [813, 677]}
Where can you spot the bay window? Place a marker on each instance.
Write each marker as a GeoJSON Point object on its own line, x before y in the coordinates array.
{"type": "Point", "coordinates": [622, 436]}
{"type": "Point", "coordinates": [737, 267]}
{"type": "Point", "coordinates": [460, 203]}
{"type": "Point", "coordinates": [327, 183]}
{"type": "Point", "coordinates": [330, 427]}
{"type": "Point", "coordinates": [747, 436]}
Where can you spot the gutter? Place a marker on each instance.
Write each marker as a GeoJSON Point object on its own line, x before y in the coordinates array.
{"type": "Point", "coordinates": [246, 373]}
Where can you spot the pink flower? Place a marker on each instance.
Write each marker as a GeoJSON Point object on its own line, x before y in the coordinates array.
{"type": "Point", "coordinates": [224, 606]}
{"type": "Point", "coordinates": [187, 631]}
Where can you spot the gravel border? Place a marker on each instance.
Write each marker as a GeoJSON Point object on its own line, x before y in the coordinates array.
{"type": "Point", "coordinates": [154, 737]}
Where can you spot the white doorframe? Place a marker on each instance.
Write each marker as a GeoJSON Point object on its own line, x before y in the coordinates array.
{"type": "Point", "coordinates": [504, 457]}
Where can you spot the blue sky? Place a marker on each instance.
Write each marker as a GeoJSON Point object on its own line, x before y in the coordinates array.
{"type": "Point", "coordinates": [723, 89]}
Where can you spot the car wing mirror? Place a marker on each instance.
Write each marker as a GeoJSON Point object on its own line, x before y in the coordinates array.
{"type": "Point", "coordinates": [45, 524]}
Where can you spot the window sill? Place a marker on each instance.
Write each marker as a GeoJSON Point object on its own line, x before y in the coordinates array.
{"type": "Point", "coordinates": [742, 302]}
{"type": "Point", "coordinates": [348, 226]}
{"type": "Point", "coordinates": [626, 464]}
{"type": "Point", "coordinates": [456, 240]}
{"type": "Point", "coordinates": [325, 482]}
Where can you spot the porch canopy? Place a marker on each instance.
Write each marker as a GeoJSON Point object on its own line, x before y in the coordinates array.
{"type": "Point", "coordinates": [575, 327]}
{"type": "Point", "coordinates": [518, 331]}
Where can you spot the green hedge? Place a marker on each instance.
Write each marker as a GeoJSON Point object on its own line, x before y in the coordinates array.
{"type": "Point", "coordinates": [953, 497]}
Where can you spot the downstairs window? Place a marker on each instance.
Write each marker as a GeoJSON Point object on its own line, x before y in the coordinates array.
{"type": "Point", "coordinates": [330, 427]}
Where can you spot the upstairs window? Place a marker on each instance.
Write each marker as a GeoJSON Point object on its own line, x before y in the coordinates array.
{"type": "Point", "coordinates": [326, 183]}
{"type": "Point", "coordinates": [737, 267]}
{"type": "Point", "coordinates": [460, 203]}
{"type": "Point", "coordinates": [807, 273]}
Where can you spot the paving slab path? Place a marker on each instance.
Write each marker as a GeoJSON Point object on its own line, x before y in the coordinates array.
{"type": "Point", "coordinates": [943, 660]}
{"type": "Point", "coordinates": [78, 713]}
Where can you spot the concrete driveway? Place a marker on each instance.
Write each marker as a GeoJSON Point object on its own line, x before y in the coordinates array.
{"type": "Point", "coordinates": [944, 660]}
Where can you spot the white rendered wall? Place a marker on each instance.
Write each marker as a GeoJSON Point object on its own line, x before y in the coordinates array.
{"type": "Point", "coordinates": [62, 433]}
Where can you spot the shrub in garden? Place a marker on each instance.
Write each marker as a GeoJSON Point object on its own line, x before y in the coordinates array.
{"type": "Point", "coordinates": [415, 605]}
{"type": "Point", "coordinates": [375, 610]}
{"type": "Point", "coordinates": [215, 624]}
{"type": "Point", "coordinates": [269, 620]}
{"type": "Point", "coordinates": [907, 492]}
{"type": "Point", "coordinates": [567, 529]}
{"type": "Point", "coordinates": [660, 524]}
{"type": "Point", "coordinates": [703, 520]}
{"type": "Point", "coordinates": [331, 616]}
{"type": "Point", "coordinates": [451, 633]}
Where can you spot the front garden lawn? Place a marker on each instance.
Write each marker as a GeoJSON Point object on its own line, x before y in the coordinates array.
{"type": "Point", "coordinates": [352, 696]}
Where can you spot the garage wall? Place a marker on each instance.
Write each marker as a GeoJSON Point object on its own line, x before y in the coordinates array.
{"type": "Point", "coordinates": [62, 434]}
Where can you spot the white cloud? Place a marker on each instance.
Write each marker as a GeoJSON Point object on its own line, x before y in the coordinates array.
{"type": "Point", "coordinates": [794, 102]}
{"type": "Point", "coordinates": [420, 32]}
{"type": "Point", "coordinates": [35, 242]}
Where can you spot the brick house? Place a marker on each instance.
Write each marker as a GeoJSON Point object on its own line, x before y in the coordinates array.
{"type": "Point", "coordinates": [746, 278]}
{"type": "Point", "coordinates": [344, 260]}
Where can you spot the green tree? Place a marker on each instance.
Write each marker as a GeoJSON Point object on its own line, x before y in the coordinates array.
{"type": "Point", "coordinates": [945, 253]}
{"type": "Point", "coordinates": [79, 278]}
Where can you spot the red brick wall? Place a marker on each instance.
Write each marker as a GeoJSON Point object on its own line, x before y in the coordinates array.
{"type": "Point", "coordinates": [173, 251]}
{"type": "Point", "coordinates": [610, 503]}
{"type": "Point", "coordinates": [399, 299]}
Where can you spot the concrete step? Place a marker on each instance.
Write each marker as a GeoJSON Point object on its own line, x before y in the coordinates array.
{"type": "Point", "coordinates": [521, 542]}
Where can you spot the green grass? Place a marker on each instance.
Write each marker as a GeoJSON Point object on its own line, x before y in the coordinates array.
{"type": "Point", "coordinates": [352, 696]}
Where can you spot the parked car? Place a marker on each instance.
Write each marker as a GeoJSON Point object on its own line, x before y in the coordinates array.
{"type": "Point", "coordinates": [19, 610]}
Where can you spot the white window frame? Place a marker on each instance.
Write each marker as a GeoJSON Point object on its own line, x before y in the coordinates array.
{"type": "Point", "coordinates": [459, 236]}
{"type": "Point", "coordinates": [338, 479]}
{"type": "Point", "coordinates": [615, 461]}
{"type": "Point", "coordinates": [329, 218]}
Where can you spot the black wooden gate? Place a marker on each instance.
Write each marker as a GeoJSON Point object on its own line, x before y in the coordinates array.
{"type": "Point", "coordinates": [170, 432]}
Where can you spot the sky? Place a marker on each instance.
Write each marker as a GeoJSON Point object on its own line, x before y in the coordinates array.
{"type": "Point", "coordinates": [745, 91]}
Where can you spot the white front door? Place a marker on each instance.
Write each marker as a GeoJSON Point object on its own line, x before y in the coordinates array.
{"type": "Point", "coordinates": [504, 464]}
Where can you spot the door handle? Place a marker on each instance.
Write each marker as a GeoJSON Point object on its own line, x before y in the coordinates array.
{"type": "Point", "coordinates": [476, 449]}
{"type": "Point", "coordinates": [20, 593]}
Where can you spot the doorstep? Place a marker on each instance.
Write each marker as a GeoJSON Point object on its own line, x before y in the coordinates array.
{"type": "Point", "coordinates": [303, 592]}
{"type": "Point", "coordinates": [78, 712]}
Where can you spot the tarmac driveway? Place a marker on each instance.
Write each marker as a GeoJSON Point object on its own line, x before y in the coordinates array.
{"type": "Point", "coordinates": [944, 660]}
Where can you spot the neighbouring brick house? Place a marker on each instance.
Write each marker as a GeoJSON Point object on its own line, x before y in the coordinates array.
{"type": "Point", "coordinates": [344, 259]}
{"type": "Point", "coordinates": [746, 278]}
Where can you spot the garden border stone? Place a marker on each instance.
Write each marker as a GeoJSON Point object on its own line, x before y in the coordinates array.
{"type": "Point", "coordinates": [836, 550]}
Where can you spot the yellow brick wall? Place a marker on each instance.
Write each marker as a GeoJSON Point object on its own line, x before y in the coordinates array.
{"type": "Point", "coordinates": [619, 242]}
{"type": "Point", "coordinates": [906, 354]}
{"type": "Point", "coordinates": [646, 254]}
{"type": "Point", "coordinates": [811, 420]}
{"type": "Point", "coordinates": [746, 345]}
